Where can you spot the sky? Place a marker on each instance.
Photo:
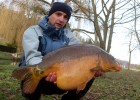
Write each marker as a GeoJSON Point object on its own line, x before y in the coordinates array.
{"type": "Point", "coordinates": [120, 41]}
{"type": "Point", "coordinates": [119, 46]}
{"type": "Point", "coordinates": [3, 0]}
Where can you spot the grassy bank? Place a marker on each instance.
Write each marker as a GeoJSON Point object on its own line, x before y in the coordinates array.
{"type": "Point", "coordinates": [5, 58]}
{"type": "Point", "coordinates": [122, 85]}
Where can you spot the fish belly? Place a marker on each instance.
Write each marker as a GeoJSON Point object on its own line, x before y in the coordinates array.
{"type": "Point", "coordinates": [74, 73]}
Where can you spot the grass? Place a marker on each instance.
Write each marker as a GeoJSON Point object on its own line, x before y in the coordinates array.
{"type": "Point", "coordinates": [5, 55]}
{"type": "Point", "coordinates": [5, 58]}
{"type": "Point", "coordinates": [122, 85]}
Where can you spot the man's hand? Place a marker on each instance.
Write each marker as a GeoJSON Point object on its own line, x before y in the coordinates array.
{"type": "Point", "coordinates": [99, 73]}
{"type": "Point", "coordinates": [51, 77]}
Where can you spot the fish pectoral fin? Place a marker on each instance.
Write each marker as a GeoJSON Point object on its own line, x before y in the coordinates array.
{"type": "Point", "coordinates": [28, 77]}
{"type": "Point", "coordinates": [81, 87]}
{"type": "Point", "coordinates": [97, 68]}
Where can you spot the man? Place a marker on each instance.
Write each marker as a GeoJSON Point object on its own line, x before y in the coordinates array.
{"type": "Point", "coordinates": [50, 34]}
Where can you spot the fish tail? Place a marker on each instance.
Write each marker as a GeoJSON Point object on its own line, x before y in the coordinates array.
{"type": "Point", "coordinates": [20, 73]}
{"type": "Point", "coordinates": [29, 78]}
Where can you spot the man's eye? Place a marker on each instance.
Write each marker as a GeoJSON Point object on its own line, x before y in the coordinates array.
{"type": "Point", "coordinates": [66, 17]}
{"type": "Point", "coordinates": [58, 14]}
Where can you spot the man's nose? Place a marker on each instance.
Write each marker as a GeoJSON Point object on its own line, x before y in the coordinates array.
{"type": "Point", "coordinates": [62, 19]}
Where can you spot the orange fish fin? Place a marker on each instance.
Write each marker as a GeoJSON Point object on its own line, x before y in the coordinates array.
{"type": "Point", "coordinates": [19, 73]}
{"type": "Point", "coordinates": [96, 68]}
{"type": "Point", "coordinates": [81, 87]}
{"type": "Point", "coordinates": [30, 83]}
{"type": "Point", "coordinates": [30, 77]}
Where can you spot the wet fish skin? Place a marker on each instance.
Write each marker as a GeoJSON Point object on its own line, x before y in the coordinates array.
{"type": "Point", "coordinates": [74, 66]}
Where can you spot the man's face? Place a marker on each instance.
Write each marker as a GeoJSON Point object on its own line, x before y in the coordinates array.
{"type": "Point", "coordinates": [58, 19]}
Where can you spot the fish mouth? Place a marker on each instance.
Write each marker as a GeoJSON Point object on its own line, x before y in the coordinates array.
{"type": "Point", "coordinates": [118, 68]}
{"type": "Point", "coordinates": [115, 69]}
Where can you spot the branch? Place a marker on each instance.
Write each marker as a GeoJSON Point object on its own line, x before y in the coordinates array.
{"type": "Point", "coordinates": [84, 10]}
{"type": "Point", "coordinates": [127, 21]}
{"type": "Point", "coordinates": [82, 30]}
{"type": "Point", "coordinates": [45, 2]}
{"type": "Point", "coordinates": [82, 17]}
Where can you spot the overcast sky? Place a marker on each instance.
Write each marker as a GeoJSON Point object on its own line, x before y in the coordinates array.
{"type": "Point", "coordinates": [120, 41]}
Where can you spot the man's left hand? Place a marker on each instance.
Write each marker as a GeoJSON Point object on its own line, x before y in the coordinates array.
{"type": "Point", "coordinates": [51, 77]}
{"type": "Point", "coordinates": [99, 73]}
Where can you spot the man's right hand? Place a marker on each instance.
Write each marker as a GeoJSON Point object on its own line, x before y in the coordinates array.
{"type": "Point", "coordinates": [51, 77]}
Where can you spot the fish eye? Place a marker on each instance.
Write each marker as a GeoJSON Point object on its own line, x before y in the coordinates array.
{"type": "Point", "coordinates": [116, 61]}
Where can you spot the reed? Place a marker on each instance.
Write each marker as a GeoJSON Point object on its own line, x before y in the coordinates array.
{"type": "Point", "coordinates": [13, 24]}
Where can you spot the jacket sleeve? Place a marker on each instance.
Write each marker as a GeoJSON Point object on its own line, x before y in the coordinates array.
{"type": "Point", "coordinates": [30, 44]}
{"type": "Point", "coordinates": [73, 39]}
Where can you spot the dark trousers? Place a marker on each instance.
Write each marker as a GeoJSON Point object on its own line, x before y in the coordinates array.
{"type": "Point", "coordinates": [49, 88]}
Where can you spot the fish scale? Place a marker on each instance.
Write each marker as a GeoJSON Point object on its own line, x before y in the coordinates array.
{"type": "Point", "coordinates": [74, 66]}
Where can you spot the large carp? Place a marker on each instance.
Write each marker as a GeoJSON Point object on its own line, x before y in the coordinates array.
{"type": "Point", "coordinates": [74, 66]}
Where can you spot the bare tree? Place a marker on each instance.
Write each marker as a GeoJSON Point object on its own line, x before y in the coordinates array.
{"type": "Point", "coordinates": [102, 15]}
{"type": "Point", "coordinates": [134, 33]}
{"type": "Point", "coordinates": [103, 20]}
{"type": "Point", "coordinates": [131, 49]}
{"type": "Point", "coordinates": [105, 16]}
{"type": "Point", "coordinates": [135, 23]}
